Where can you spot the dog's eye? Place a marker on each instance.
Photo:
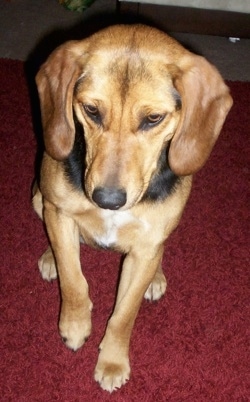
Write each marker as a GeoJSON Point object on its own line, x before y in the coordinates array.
{"type": "Point", "coordinates": [93, 112]}
{"type": "Point", "coordinates": [151, 121]}
{"type": "Point", "coordinates": [154, 118]}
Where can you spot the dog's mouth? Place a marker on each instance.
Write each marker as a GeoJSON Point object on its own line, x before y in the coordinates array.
{"type": "Point", "coordinates": [111, 190]}
{"type": "Point", "coordinates": [117, 197]}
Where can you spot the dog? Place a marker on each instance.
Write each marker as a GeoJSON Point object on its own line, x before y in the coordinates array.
{"type": "Point", "coordinates": [128, 115]}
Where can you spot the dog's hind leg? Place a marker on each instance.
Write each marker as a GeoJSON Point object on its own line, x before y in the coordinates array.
{"type": "Point", "coordinates": [47, 265]}
{"type": "Point", "coordinates": [157, 287]}
{"type": "Point", "coordinates": [37, 200]}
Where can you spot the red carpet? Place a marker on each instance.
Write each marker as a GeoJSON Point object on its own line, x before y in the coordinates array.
{"type": "Point", "coordinates": [191, 346]}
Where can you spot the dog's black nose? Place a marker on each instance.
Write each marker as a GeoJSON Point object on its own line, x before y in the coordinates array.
{"type": "Point", "coordinates": [109, 197]}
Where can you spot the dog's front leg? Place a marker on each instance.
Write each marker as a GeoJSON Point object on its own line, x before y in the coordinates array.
{"type": "Point", "coordinates": [75, 315]}
{"type": "Point", "coordinates": [139, 268]}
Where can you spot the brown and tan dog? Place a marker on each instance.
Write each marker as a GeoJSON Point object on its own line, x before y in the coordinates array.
{"type": "Point", "coordinates": [128, 116]}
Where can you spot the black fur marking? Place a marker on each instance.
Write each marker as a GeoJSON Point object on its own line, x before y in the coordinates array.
{"type": "Point", "coordinates": [164, 182]}
{"type": "Point", "coordinates": [74, 165]}
{"type": "Point", "coordinates": [177, 98]}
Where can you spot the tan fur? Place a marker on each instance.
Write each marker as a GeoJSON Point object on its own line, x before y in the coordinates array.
{"type": "Point", "coordinates": [128, 73]}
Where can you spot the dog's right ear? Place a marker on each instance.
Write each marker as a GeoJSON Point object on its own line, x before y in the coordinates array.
{"type": "Point", "coordinates": [55, 81]}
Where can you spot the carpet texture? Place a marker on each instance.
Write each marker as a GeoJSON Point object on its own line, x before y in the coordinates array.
{"type": "Point", "coordinates": [192, 345]}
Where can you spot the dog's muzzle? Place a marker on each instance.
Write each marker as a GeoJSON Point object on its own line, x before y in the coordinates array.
{"type": "Point", "coordinates": [109, 197]}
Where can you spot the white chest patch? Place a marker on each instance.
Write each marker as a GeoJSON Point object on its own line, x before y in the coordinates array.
{"type": "Point", "coordinates": [113, 220]}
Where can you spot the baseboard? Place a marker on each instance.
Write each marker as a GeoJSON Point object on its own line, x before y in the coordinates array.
{"type": "Point", "coordinates": [190, 20]}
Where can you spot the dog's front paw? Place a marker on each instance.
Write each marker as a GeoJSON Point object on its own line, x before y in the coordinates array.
{"type": "Point", "coordinates": [75, 329]}
{"type": "Point", "coordinates": [47, 265]}
{"type": "Point", "coordinates": [157, 287]}
{"type": "Point", "coordinates": [75, 334]}
{"type": "Point", "coordinates": [111, 375]}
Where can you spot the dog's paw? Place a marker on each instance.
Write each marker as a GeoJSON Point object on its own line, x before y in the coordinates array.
{"type": "Point", "coordinates": [157, 287]}
{"type": "Point", "coordinates": [75, 332]}
{"type": "Point", "coordinates": [47, 265]}
{"type": "Point", "coordinates": [75, 335]}
{"type": "Point", "coordinates": [112, 375]}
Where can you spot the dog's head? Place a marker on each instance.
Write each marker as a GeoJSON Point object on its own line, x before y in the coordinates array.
{"type": "Point", "coordinates": [134, 90]}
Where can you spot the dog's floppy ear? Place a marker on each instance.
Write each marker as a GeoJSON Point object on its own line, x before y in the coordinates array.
{"type": "Point", "coordinates": [55, 81]}
{"type": "Point", "coordinates": [205, 104]}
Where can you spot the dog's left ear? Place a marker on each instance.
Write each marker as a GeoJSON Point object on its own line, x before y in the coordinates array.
{"type": "Point", "coordinates": [55, 81]}
{"type": "Point", "coordinates": [205, 104]}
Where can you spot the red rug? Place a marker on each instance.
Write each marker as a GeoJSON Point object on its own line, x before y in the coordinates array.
{"type": "Point", "coordinates": [190, 346]}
